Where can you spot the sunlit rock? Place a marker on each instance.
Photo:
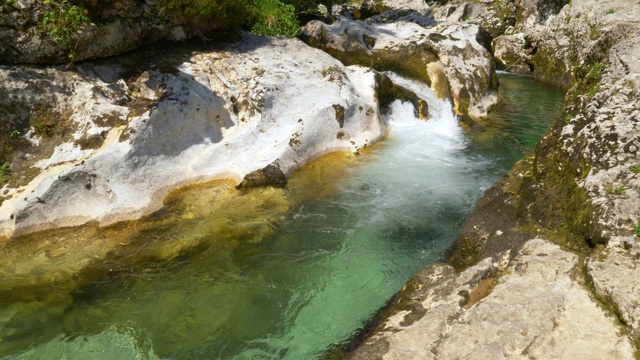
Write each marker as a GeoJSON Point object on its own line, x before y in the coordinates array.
{"type": "Point", "coordinates": [499, 308]}
{"type": "Point", "coordinates": [449, 58]}
{"type": "Point", "coordinates": [262, 104]}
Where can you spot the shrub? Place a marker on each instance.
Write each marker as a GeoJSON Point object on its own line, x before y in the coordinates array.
{"type": "Point", "coordinates": [63, 19]}
{"type": "Point", "coordinates": [5, 171]}
{"type": "Point", "coordinates": [273, 18]}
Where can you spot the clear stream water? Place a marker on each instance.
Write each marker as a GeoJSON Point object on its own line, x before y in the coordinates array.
{"type": "Point", "coordinates": [272, 273]}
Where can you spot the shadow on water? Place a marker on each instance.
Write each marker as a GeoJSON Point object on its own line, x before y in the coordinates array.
{"type": "Point", "coordinates": [267, 273]}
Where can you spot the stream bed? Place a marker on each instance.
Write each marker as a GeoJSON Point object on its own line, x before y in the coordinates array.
{"type": "Point", "coordinates": [270, 273]}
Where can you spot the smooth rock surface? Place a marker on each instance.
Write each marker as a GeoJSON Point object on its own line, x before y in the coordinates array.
{"type": "Point", "coordinates": [615, 273]}
{"type": "Point", "coordinates": [211, 115]}
{"type": "Point", "coordinates": [536, 310]}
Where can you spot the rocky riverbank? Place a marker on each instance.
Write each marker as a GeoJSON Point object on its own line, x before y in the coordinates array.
{"type": "Point", "coordinates": [106, 141]}
{"type": "Point", "coordinates": [520, 296]}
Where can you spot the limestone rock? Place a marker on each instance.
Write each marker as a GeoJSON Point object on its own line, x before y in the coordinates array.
{"type": "Point", "coordinates": [615, 274]}
{"type": "Point", "coordinates": [579, 182]}
{"type": "Point", "coordinates": [511, 54]}
{"type": "Point", "coordinates": [530, 307]}
{"type": "Point", "coordinates": [448, 58]}
{"type": "Point", "coordinates": [494, 17]}
{"type": "Point", "coordinates": [119, 28]}
{"type": "Point", "coordinates": [189, 119]}
{"type": "Point", "coordinates": [380, 6]}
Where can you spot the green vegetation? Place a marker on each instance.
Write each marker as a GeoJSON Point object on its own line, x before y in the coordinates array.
{"type": "Point", "coordinates": [636, 229]}
{"type": "Point", "coordinates": [5, 171]}
{"type": "Point", "coordinates": [568, 119]}
{"type": "Point", "coordinates": [635, 169]}
{"type": "Point", "coordinates": [330, 70]}
{"type": "Point", "coordinates": [264, 17]}
{"type": "Point", "coordinates": [62, 20]}
{"type": "Point", "coordinates": [14, 134]}
{"type": "Point", "coordinates": [617, 190]}
{"type": "Point", "coordinates": [7, 5]}
{"type": "Point", "coordinates": [43, 126]}
{"type": "Point", "coordinates": [587, 84]}
{"type": "Point", "coordinates": [273, 18]}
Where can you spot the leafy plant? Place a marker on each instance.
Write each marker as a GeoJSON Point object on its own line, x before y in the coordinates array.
{"type": "Point", "coordinates": [63, 20]}
{"type": "Point", "coordinates": [617, 190]}
{"type": "Point", "coordinates": [636, 229]}
{"type": "Point", "coordinates": [635, 169]}
{"type": "Point", "coordinates": [274, 18]}
{"type": "Point", "coordinates": [5, 171]}
{"type": "Point", "coordinates": [14, 134]}
{"type": "Point", "coordinates": [7, 5]}
{"type": "Point", "coordinates": [42, 127]}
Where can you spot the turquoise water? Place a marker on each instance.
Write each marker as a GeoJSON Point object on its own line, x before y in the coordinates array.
{"type": "Point", "coordinates": [271, 274]}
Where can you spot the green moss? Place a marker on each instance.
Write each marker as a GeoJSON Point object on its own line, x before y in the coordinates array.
{"type": "Point", "coordinates": [616, 190]}
{"type": "Point", "coordinates": [467, 251]}
{"type": "Point", "coordinates": [606, 303]}
{"type": "Point", "coordinates": [552, 199]}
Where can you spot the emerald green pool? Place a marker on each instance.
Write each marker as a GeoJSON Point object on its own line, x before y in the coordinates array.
{"type": "Point", "coordinates": [269, 274]}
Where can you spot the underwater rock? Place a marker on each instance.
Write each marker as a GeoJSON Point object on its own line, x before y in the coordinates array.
{"type": "Point", "coordinates": [270, 175]}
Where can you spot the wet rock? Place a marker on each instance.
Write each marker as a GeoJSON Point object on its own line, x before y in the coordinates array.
{"type": "Point", "coordinates": [270, 175]}
{"type": "Point", "coordinates": [449, 58]}
{"type": "Point", "coordinates": [531, 306]}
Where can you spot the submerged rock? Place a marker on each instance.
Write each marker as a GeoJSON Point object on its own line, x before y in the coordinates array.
{"type": "Point", "coordinates": [187, 119]}
{"type": "Point", "coordinates": [448, 58]}
{"type": "Point", "coordinates": [269, 175]}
